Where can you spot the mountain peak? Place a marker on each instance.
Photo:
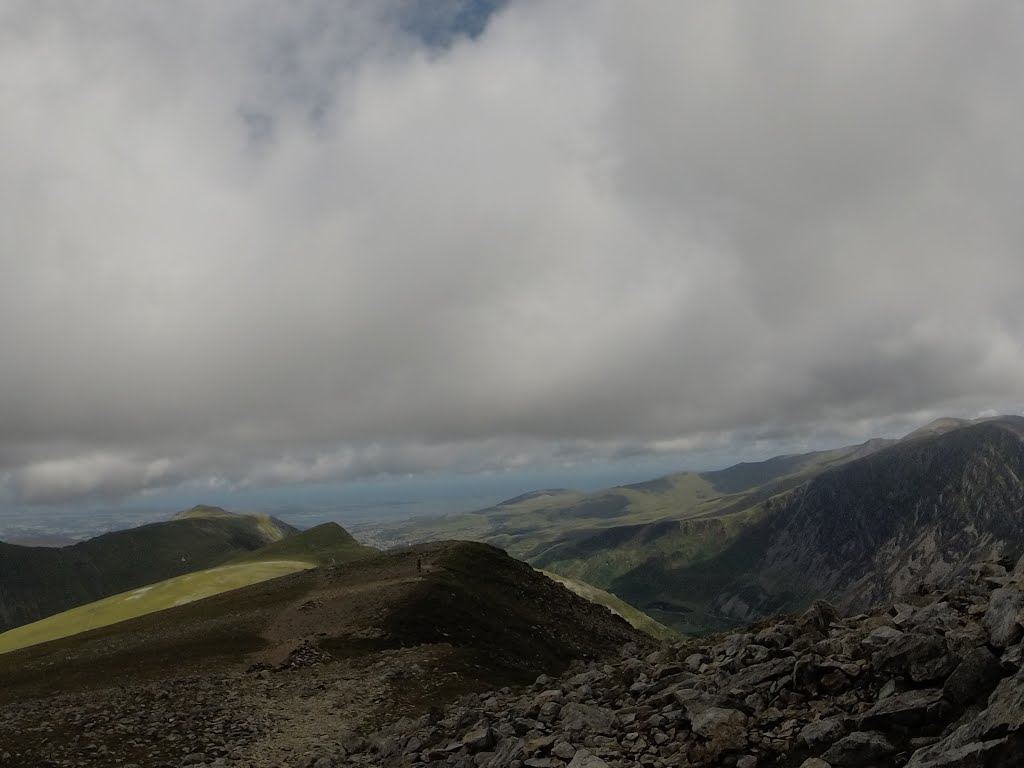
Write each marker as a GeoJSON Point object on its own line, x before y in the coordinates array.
{"type": "Point", "coordinates": [203, 510]}
{"type": "Point", "coordinates": [938, 427]}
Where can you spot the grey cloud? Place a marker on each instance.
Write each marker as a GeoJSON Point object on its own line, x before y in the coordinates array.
{"type": "Point", "coordinates": [271, 245]}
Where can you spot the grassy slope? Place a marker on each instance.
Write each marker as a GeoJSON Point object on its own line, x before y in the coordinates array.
{"type": "Point", "coordinates": [327, 544]}
{"type": "Point", "coordinates": [637, 619]}
{"type": "Point", "coordinates": [38, 582]}
{"type": "Point", "coordinates": [272, 528]}
{"type": "Point", "coordinates": [148, 599]}
{"type": "Point", "coordinates": [503, 619]}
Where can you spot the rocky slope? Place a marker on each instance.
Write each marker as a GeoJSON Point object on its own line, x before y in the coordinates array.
{"type": "Point", "coordinates": [935, 682]}
{"type": "Point", "coordinates": [36, 582]}
{"type": "Point", "coordinates": [301, 665]}
{"type": "Point", "coordinates": [919, 511]}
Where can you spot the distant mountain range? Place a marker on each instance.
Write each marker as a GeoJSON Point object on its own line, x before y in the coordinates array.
{"type": "Point", "coordinates": [918, 512]}
{"type": "Point", "coordinates": [705, 551]}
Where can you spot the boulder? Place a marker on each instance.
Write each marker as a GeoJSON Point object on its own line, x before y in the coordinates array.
{"type": "Point", "coordinates": [910, 709]}
{"type": "Point", "coordinates": [974, 677]}
{"type": "Point", "coordinates": [974, 755]}
{"type": "Point", "coordinates": [821, 734]}
{"type": "Point", "coordinates": [922, 657]}
{"type": "Point", "coordinates": [859, 749]}
{"type": "Point", "coordinates": [754, 675]}
{"type": "Point", "coordinates": [480, 740]}
{"type": "Point", "coordinates": [723, 729]}
{"type": "Point", "coordinates": [987, 738]}
{"type": "Point", "coordinates": [587, 718]}
{"type": "Point", "coordinates": [881, 636]}
{"type": "Point", "coordinates": [1001, 617]}
{"type": "Point", "coordinates": [820, 616]}
{"type": "Point", "coordinates": [1012, 658]}
{"type": "Point", "coordinates": [584, 759]}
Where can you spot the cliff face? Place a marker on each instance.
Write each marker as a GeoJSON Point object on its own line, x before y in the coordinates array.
{"type": "Point", "coordinates": [922, 514]}
{"type": "Point", "coordinates": [917, 512]}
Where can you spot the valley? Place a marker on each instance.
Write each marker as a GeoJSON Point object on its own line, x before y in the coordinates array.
{"type": "Point", "coordinates": [707, 552]}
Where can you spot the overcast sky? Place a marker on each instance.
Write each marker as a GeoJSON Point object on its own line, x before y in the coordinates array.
{"type": "Point", "coordinates": [251, 243]}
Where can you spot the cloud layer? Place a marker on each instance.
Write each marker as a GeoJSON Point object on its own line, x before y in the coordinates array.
{"type": "Point", "coordinates": [252, 242]}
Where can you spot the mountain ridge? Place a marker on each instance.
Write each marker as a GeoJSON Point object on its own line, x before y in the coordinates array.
{"type": "Point", "coordinates": [919, 510]}
{"type": "Point", "coordinates": [36, 582]}
{"type": "Point", "coordinates": [268, 672]}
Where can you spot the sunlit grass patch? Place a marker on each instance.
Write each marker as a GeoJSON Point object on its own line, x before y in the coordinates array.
{"type": "Point", "coordinates": [148, 599]}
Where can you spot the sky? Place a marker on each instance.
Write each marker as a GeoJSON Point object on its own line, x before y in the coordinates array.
{"type": "Point", "coordinates": [257, 246]}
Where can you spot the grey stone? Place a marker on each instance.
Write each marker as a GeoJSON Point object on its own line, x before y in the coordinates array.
{"type": "Point", "coordinates": [724, 729]}
{"type": "Point", "coordinates": [1001, 617]}
{"type": "Point", "coordinates": [584, 759]}
{"type": "Point", "coordinates": [821, 734]}
{"type": "Point", "coordinates": [862, 748]}
{"type": "Point", "coordinates": [480, 740]}
{"type": "Point", "coordinates": [881, 636]}
{"type": "Point", "coordinates": [1012, 658]}
{"type": "Point", "coordinates": [911, 709]}
{"type": "Point", "coordinates": [820, 616]}
{"type": "Point", "coordinates": [973, 677]}
{"type": "Point", "coordinates": [963, 641]}
{"type": "Point", "coordinates": [587, 718]}
{"type": "Point", "coordinates": [974, 755]}
{"type": "Point", "coordinates": [987, 739]}
{"type": "Point", "coordinates": [752, 676]}
{"type": "Point", "coordinates": [922, 657]}
{"type": "Point", "coordinates": [564, 750]}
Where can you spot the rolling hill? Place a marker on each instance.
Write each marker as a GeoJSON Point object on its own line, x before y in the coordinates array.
{"type": "Point", "coordinates": [327, 544]}
{"type": "Point", "coordinates": [36, 582]}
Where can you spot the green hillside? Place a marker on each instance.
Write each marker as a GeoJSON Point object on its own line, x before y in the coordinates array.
{"type": "Point", "coordinates": [637, 619]}
{"type": "Point", "coordinates": [144, 600]}
{"type": "Point", "coordinates": [203, 510]}
{"type": "Point", "coordinates": [41, 581]}
{"type": "Point", "coordinates": [327, 544]}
